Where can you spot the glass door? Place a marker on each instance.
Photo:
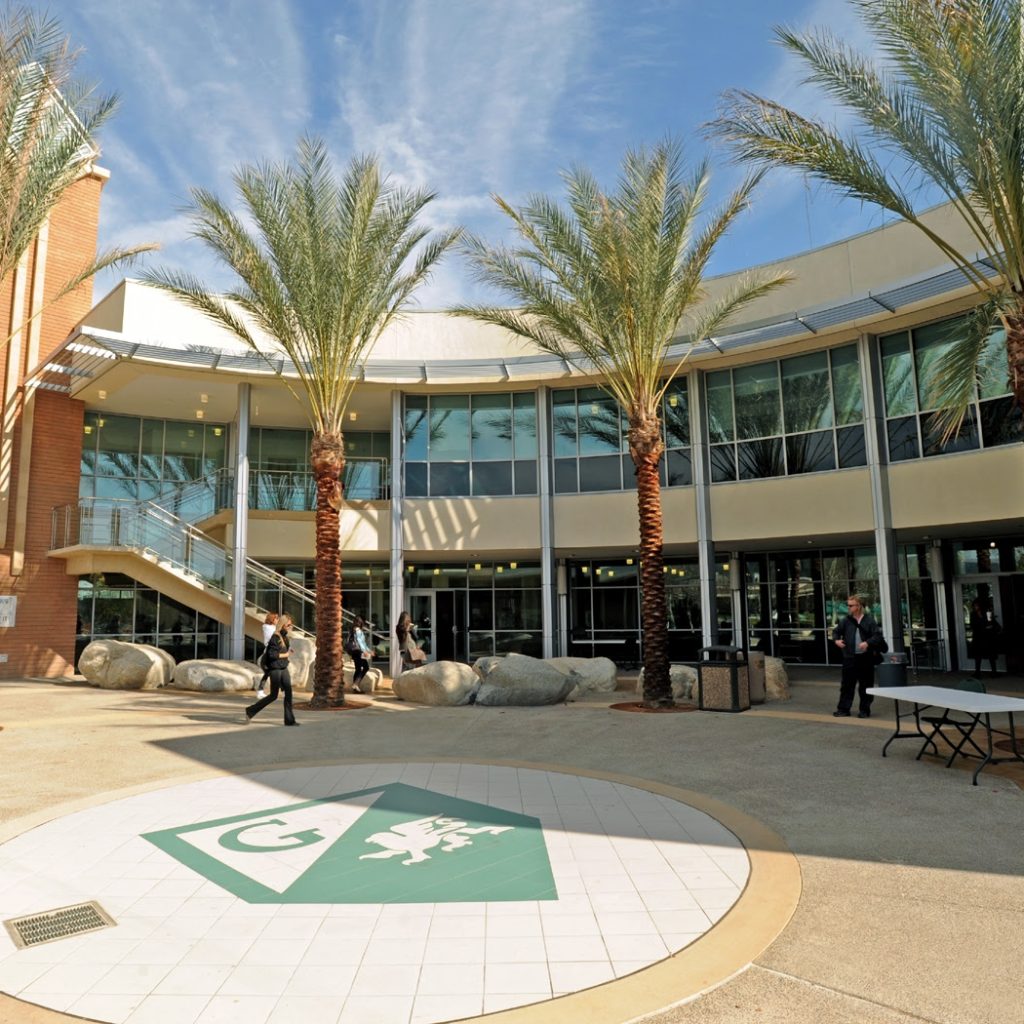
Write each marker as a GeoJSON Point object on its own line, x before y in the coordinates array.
{"type": "Point", "coordinates": [979, 601]}
{"type": "Point", "coordinates": [420, 605]}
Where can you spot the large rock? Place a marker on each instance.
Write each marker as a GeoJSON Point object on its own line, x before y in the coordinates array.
{"type": "Point", "coordinates": [440, 683]}
{"type": "Point", "coordinates": [776, 679]}
{"type": "Point", "coordinates": [597, 675]}
{"type": "Point", "coordinates": [300, 661]}
{"type": "Point", "coordinates": [214, 675]}
{"type": "Point", "coordinates": [483, 667]}
{"type": "Point", "coordinates": [524, 681]}
{"type": "Point", "coordinates": [115, 665]}
{"type": "Point", "coordinates": [684, 683]}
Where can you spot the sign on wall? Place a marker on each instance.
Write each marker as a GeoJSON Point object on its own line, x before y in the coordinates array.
{"type": "Point", "coordinates": [8, 606]}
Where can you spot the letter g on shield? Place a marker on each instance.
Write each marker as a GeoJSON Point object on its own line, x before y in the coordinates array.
{"type": "Point", "coordinates": [232, 840]}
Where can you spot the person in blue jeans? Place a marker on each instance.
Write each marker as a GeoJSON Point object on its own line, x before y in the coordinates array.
{"type": "Point", "coordinates": [360, 651]}
{"type": "Point", "coordinates": [860, 639]}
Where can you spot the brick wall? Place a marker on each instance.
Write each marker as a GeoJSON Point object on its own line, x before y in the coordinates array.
{"type": "Point", "coordinates": [42, 641]}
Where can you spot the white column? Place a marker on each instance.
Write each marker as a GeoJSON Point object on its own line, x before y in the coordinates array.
{"type": "Point", "coordinates": [885, 537]}
{"type": "Point", "coordinates": [547, 523]}
{"type": "Point", "coordinates": [396, 598]}
{"type": "Point", "coordinates": [240, 536]}
{"type": "Point", "coordinates": [700, 461]}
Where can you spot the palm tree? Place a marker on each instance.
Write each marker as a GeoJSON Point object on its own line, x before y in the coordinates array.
{"type": "Point", "coordinates": [48, 126]}
{"type": "Point", "coordinates": [605, 285]}
{"type": "Point", "coordinates": [945, 112]}
{"type": "Point", "coordinates": [327, 267]}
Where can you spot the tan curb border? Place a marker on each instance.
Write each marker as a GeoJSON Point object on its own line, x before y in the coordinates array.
{"type": "Point", "coordinates": [754, 922]}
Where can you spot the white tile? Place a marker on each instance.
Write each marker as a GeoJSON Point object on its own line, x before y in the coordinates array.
{"type": "Point", "coordinates": [515, 949]}
{"type": "Point", "coordinates": [324, 952]}
{"type": "Point", "coordinates": [276, 951]}
{"type": "Point", "coordinates": [675, 941]}
{"type": "Point", "coordinates": [218, 951]}
{"type": "Point", "coordinates": [291, 928]}
{"type": "Point", "coordinates": [168, 1009]}
{"type": "Point", "coordinates": [16, 975]}
{"type": "Point", "coordinates": [428, 1009]}
{"type": "Point", "coordinates": [395, 951]}
{"type": "Point", "coordinates": [194, 980]}
{"type": "Point", "coordinates": [464, 927]}
{"type": "Point", "coordinates": [54, 1000]}
{"type": "Point", "coordinates": [385, 980]}
{"type": "Point", "coordinates": [639, 923]}
{"type": "Point", "coordinates": [680, 920]}
{"type": "Point", "coordinates": [292, 1009]}
{"type": "Point", "coordinates": [495, 1001]}
{"type": "Point", "coordinates": [571, 924]}
{"type": "Point", "coordinates": [451, 979]}
{"type": "Point", "coordinates": [635, 947]}
{"type": "Point", "coordinates": [624, 967]}
{"type": "Point", "coordinates": [616, 902]}
{"type": "Point", "coordinates": [454, 951]}
{"type": "Point", "coordinates": [575, 948]}
{"type": "Point", "coordinates": [257, 980]}
{"type": "Point", "coordinates": [310, 980]}
{"type": "Point", "coordinates": [112, 1008]}
{"type": "Point", "coordinates": [514, 926]}
{"type": "Point", "coordinates": [151, 951]}
{"type": "Point", "coordinates": [376, 1010]}
{"type": "Point", "coordinates": [511, 979]}
{"type": "Point", "coordinates": [237, 1010]}
{"type": "Point", "coordinates": [72, 978]}
{"type": "Point", "coordinates": [571, 977]}
{"type": "Point", "coordinates": [402, 927]}
{"type": "Point", "coordinates": [677, 900]}
{"type": "Point", "coordinates": [716, 899]}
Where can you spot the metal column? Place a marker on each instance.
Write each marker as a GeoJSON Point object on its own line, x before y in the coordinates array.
{"type": "Point", "coordinates": [396, 600]}
{"type": "Point", "coordinates": [702, 495]}
{"type": "Point", "coordinates": [881, 504]}
{"type": "Point", "coordinates": [240, 535]}
{"type": "Point", "coordinates": [547, 525]}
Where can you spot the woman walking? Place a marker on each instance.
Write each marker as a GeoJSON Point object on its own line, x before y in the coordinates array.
{"type": "Point", "coordinates": [360, 652]}
{"type": "Point", "coordinates": [405, 633]}
{"type": "Point", "coordinates": [276, 659]}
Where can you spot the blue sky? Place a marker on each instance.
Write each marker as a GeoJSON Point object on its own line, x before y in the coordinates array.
{"type": "Point", "coordinates": [468, 97]}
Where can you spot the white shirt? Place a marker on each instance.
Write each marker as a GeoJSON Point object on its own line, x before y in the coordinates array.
{"type": "Point", "coordinates": [268, 631]}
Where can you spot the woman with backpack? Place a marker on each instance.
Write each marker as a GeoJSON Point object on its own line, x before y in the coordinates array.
{"type": "Point", "coordinates": [359, 651]}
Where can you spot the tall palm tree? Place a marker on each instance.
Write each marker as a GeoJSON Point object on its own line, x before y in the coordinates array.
{"type": "Point", "coordinates": [48, 126]}
{"type": "Point", "coordinates": [327, 266]}
{"type": "Point", "coordinates": [609, 284]}
{"type": "Point", "coordinates": [945, 111]}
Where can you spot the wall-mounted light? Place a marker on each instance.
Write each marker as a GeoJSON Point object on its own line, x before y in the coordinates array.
{"type": "Point", "coordinates": [476, 565]}
{"type": "Point", "coordinates": [217, 431]}
{"type": "Point", "coordinates": [410, 568]}
{"type": "Point", "coordinates": [437, 572]}
{"type": "Point", "coordinates": [501, 568]}
{"type": "Point", "coordinates": [611, 572]}
{"type": "Point", "coordinates": [513, 565]}
{"type": "Point", "coordinates": [102, 394]}
{"type": "Point", "coordinates": [353, 416]}
{"type": "Point", "coordinates": [367, 572]}
{"type": "Point", "coordinates": [101, 422]}
{"type": "Point", "coordinates": [585, 569]}
{"type": "Point", "coordinates": [629, 561]}
{"type": "Point", "coordinates": [200, 414]}
{"type": "Point", "coordinates": [87, 428]}
{"type": "Point", "coordinates": [204, 398]}
{"type": "Point", "coordinates": [673, 400]}
{"type": "Point", "coordinates": [598, 572]}
{"type": "Point", "coordinates": [725, 566]}
{"type": "Point", "coordinates": [991, 543]}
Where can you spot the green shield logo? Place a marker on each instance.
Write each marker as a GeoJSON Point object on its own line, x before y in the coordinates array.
{"type": "Point", "coordinates": [389, 844]}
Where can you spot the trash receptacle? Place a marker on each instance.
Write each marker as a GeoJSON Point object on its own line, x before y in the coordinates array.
{"type": "Point", "coordinates": [755, 673]}
{"type": "Point", "coordinates": [893, 669]}
{"type": "Point", "coordinates": [722, 680]}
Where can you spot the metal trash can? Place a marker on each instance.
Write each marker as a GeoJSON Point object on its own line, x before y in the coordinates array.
{"type": "Point", "coordinates": [756, 674]}
{"type": "Point", "coordinates": [893, 669]}
{"type": "Point", "coordinates": [722, 680]}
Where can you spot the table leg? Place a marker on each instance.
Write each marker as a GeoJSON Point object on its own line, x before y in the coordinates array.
{"type": "Point", "coordinates": [917, 733]}
{"type": "Point", "coordinates": [988, 755]}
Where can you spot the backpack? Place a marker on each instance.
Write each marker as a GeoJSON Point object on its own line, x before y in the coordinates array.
{"type": "Point", "coordinates": [876, 649]}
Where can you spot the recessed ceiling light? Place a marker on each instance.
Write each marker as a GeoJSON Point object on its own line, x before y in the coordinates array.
{"type": "Point", "coordinates": [204, 398]}
{"type": "Point", "coordinates": [102, 394]}
{"type": "Point", "coordinates": [200, 414]}
{"type": "Point", "coordinates": [353, 416]}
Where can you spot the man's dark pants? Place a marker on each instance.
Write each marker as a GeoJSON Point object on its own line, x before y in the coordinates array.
{"type": "Point", "coordinates": [858, 672]}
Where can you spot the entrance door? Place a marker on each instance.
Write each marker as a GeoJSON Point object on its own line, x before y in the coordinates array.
{"type": "Point", "coordinates": [420, 604]}
{"type": "Point", "coordinates": [450, 635]}
{"type": "Point", "coordinates": [986, 590]}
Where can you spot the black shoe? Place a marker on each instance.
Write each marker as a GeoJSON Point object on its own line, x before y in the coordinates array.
{"type": "Point", "coordinates": [840, 714]}
{"type": "Point", "coordinates": [863, 714]}
{"type": "Point", "coordinates": [293, 723]}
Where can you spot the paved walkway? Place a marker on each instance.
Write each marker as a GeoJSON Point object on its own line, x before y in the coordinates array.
{"type": "Point", "coordinates": [906, 880]}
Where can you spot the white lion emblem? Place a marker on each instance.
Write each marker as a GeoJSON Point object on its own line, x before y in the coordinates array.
{"type": "Point", "coordinates": [416, 837]}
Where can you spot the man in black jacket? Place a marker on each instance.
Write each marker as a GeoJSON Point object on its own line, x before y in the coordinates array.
{"type": "Point", "coordinates": [860, 639]}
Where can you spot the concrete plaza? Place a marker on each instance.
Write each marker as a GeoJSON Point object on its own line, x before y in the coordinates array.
{"type": "Point", "coordinates": [910, 882]}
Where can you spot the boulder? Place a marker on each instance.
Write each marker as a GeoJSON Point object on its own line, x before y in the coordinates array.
{"type": "Point", "coordinates": [370, 683]}
{"type": "Point", "coordinates": [523, 681]}
{"type": "Point", "coordinates": [300, 662]}
{"type": "Point", "coordinates": [439, 683]}
{"type": "Point", "coordinates": [116, 665]}
{"type": "Point", "coordinates": [597, 675]}
{"type": "Point", "coordinates": [214, 675]}
{"type": "Point", "coordinates": [776, 679]}
{"type": "Point", "coordinates": [484, 666]}
{"type": "Point", "coordinates": [684, 683]}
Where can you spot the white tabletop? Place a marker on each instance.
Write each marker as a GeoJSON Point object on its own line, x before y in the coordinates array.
{"type": "Point", "coordinates": [954, 700]}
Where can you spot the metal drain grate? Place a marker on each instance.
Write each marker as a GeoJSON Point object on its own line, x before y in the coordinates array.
{"type": "Point", "coordinates": [58, 924]}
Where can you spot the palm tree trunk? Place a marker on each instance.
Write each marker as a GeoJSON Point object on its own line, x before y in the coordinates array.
{"type": "Point", "coordinates": [646, 448]}
{"type": "Point", "coordinates": [327, 458]}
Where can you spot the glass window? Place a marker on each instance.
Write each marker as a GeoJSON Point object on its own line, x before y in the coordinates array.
{"type": "Point", "coordinates": [416, 428]}
{"type": "Point", "coordinates": [598, 423]}
{"type": "Point", "coordinates": [118, 444]}
{"type": "Point", "coordinates": [758, 412]}
{"type": "Point", "coordinates": [449, 479]}
{"type": "Point", "coordinates": [1000, 422]}
{"type": "Point", "coordinates": [601, 473]}
{"type": "Point", "coordinates": [215, 448]}
{"type": "Point", "coordinates": [993, 374]}
{"type": "Point", "coordinates": [720, 420]}
{"type": "Point", "coordinates": [183, 457]}
{"type": "Point", "coordinates": [964, 440]}
{"type": "Point", "coordinates": [903, 439]}
{"type": "Point", "coordinates": [759, 459]}
{"type": "Point", "coordinates": [566, 481]}
{"type": "Point", "coordinates": [723, 462]}
{"type": "Point", "coordinates": [491, 478]}
{"type": "Point", "coordinates": [416, 479]}
{"type": "Point", "coordinates": [850, 443]}
{"type": "Point", "coordinates": [526, 477]}
{"type": "Point", "coordinates": [931, 343]}
{"type": "Point", "coordinates": [898, 376]}
{"type": "Point", "coordinates": [152, 449]}
{"type": "Point", "coordinates": [810, 453]}
{"type": "Point", "coordinates": [676, 415]}
{"type": "Point", "coordinates": [680, 471]}
{"type": "Point", "coordinates": [524, 413]}
{"type": "Point", "coordinates": [492, 428]}
{"type": "Point", "coordinates": [449, 428]}
{"type": "Point", "coordinates": [846, 393]}
{"type": "Point", "coordinates": [283, 450]}
{"type": "Point", "coordinates": [806, 395]}
{"type": "Point", "coordinates": [563, 415]}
